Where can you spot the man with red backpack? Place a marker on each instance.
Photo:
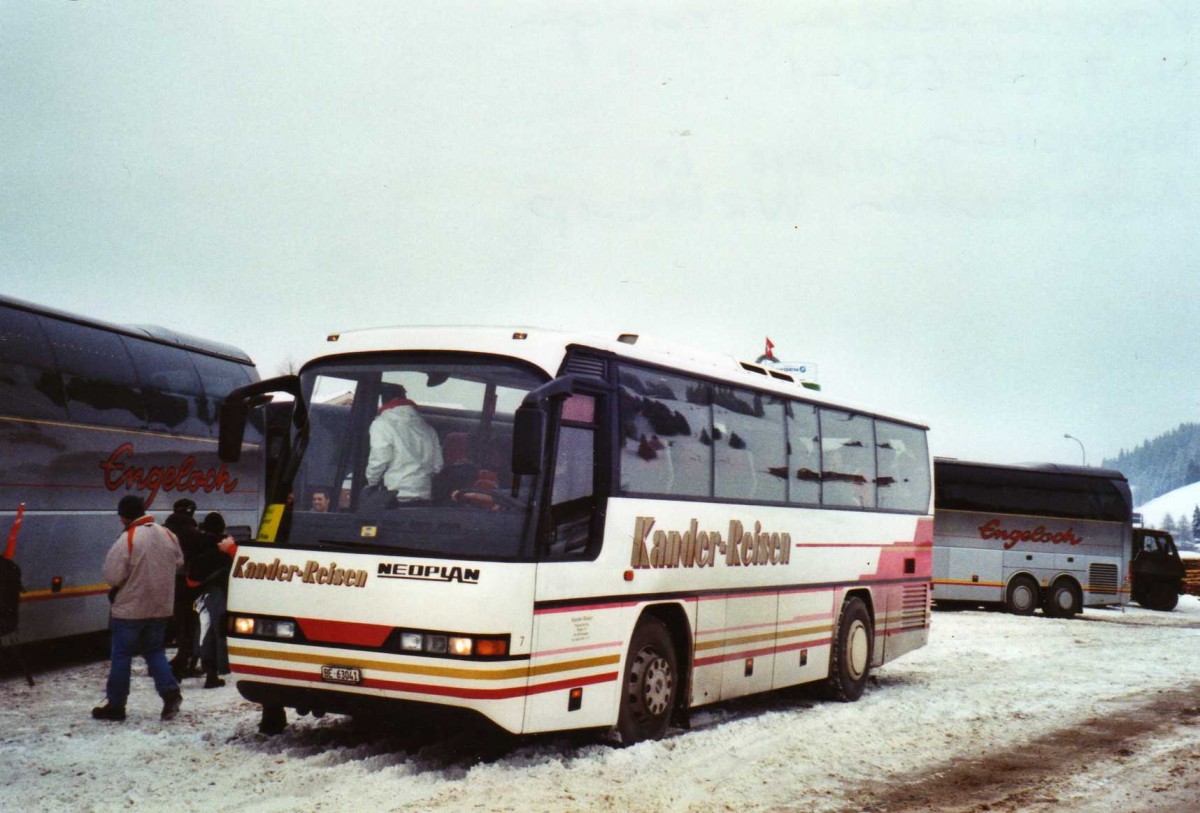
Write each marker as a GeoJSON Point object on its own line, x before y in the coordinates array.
{"type": "Point", "coordinates": [141, 568]}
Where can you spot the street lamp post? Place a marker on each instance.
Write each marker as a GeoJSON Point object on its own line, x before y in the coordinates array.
{"type": "Point", "coordinates": [1081, 449]}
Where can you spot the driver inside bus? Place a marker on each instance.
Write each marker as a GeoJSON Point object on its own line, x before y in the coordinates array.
{"type": "Point", "coordinates": [405, 452]}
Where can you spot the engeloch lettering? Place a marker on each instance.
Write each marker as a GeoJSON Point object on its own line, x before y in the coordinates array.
{"type": "Point", "coordinates": [185, 478]}
{"type": "Point", "coordinates": [312, 572]}
{"type": "Point", "coordinates": [992, 529]}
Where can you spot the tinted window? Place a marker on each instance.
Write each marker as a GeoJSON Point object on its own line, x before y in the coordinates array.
{"type": "Point", "coordinates": [30, 386]}
{"type": "Point", "coordinates": [903, 480]}
{"type": "Point", "coordinates": [171, 388]}
{"type": "Point", "coordinates": [847, 459]}
{"type": "Point", "coordinates": [666, 434]}
{"type": "Point", "coordinates": [1038, 493]}
{"type": "Point", "coordinates": [749, 445]}
{"type": "Point", "coordinates": [218, 377]}
{"type": "Point", "coordinates": [98, 375]}
{"type": "Point", "coordinates": [804, 454]}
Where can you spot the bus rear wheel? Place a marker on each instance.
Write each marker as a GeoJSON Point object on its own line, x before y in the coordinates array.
{"type": "Point", "coordinates": [850, 660]}
{"type": "Point", "coordinates": [1021, 598]}
{"type": "Point", "coordinates": [650, 685]}
{"type": "Point", "coordinates": [1062, 601]}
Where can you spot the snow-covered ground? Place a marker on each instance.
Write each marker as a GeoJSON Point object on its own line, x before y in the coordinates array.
{"type": "Point", "coordinates": [1093, 714]}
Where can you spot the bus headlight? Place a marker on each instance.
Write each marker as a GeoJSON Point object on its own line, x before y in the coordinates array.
{"type": "Point", "coordinates": [277, 629]}
{"type": "Point", "coordinates": [262, 627]}
{"type": "Point", "coordinates": [456, 645]}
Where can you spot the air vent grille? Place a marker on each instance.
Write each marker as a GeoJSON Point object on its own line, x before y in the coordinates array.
{"type": "Point", "coordinates": [588, 366]}
{"type": "Point", "coordinates": [1102, 578]}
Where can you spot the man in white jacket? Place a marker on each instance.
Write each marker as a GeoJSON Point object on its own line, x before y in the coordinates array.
{"type": "Point", "coordinates": [140, 567]}
{"type": "Point", "coordinates": [405, 452]}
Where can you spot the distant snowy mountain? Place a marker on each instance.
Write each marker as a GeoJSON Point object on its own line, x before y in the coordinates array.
{"type": "Point", "coordinates": [1174, 503]}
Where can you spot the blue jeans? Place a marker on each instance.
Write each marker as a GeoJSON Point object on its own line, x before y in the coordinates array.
{"type": "Point", "coordinates": [133, 636]}
{"type": "Point", "coordinates": [214, 650]}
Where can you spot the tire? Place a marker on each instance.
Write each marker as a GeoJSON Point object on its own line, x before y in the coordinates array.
{"type": "Point", "coordinates": [1138, 594]}
{"type": "Point", "coordinates": [850, 658]}
{"type": "Point", "coordinates": [1021, 598]}
{"type": "Point", "coordinates": [651, 683]}
{"type": "Point", "coordinates": [1160, 596]}
{"type": "Point", "coordinates": [1062, 601]}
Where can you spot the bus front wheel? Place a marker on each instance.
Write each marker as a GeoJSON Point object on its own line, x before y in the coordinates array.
{"type": "Point", "coordinates": [1022, 596]}
{"type": "Point", "coordinates": [650, 684]}
{"type": "Point", "coordinates": [850, 660]}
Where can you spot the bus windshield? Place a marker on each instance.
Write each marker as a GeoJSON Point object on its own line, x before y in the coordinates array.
{"type": "Point", "coordinates": [411, 453]}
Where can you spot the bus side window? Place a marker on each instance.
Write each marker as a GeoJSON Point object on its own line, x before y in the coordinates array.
{"type": "Point", "coordinates": [903, 478]}
{"type": "Point", "coordinates": [30, 386]}
{"type": "Point", "coordinates": [804, 454]}
{"type": "Point", "coordinates": [218, 378]}
{"type": "Point", "coordinates": [171, 388]}
{"type": "Point", "coordinates": [666, 434]}
{"type": "Point", "coordinates": [748, 438]}
{"type": "Point", "coordinates": [848, 460]}
{"type": "Point", "coordinates": [98, 376]}
{"type": "Point", "coordinates": [573, 494]}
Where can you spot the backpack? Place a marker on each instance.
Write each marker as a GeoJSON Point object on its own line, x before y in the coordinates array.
{"type": "Point", "coordinates": [10, 595]}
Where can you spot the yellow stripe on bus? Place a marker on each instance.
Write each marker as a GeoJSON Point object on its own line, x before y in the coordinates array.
{"type": "Point", "coordinates": [113, 429]}
{"type": "Point", "coordinates": [964, 583]}
{"type": "Point", "coordinates": [766, 636]}
{"type": "Point", "coordinates": [65, 592]}
{"type": "Point", "coordinates": [481, 673]}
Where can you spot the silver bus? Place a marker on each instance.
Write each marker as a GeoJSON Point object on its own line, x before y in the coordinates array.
{"type": "Point", "coordinates": [1030, 536]}
{"type": "Point", "coordinates": [90, 412]}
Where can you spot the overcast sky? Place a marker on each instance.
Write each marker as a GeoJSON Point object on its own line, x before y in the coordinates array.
{"type": "Point", "coordinates": [982, 215]}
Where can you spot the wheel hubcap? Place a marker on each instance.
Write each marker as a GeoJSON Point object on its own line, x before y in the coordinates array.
{"type": "Point", "coordinates": [651, 682]}
{"type": "Point", "coordinates": [857, 649]}
{"type": "Point", "coordinates": [1023, 597]}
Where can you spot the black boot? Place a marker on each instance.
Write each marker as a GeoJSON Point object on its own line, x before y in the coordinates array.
{"type": "Point", "coordinates": [109, 712]}
{"type": "Point", "coordinates": [274, 720]}
{"type": "Point", "coordinates": [172, 700]}
{"type": "Point", "coordinates": [211, 681]}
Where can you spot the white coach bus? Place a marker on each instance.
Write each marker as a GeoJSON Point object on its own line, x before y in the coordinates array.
{"type": "Point", "coordinates": [90, 412]}
{"type": "Point", "coordinates": [619, 532]}
{"type": "Point", "coordinates": [1024, 537]}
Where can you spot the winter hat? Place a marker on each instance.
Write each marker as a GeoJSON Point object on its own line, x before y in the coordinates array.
{"type": "Point", "coordinates": [131, 506]}
{"type": "Point", "coordinates": [214, 523]}
{"type": "Point", "coordinates": [185, 506]}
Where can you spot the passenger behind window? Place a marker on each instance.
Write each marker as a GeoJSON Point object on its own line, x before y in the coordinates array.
{"type": "Point", "coordinates": [405, 453]}
{"type": "Point", "coordinates": [320, 501]}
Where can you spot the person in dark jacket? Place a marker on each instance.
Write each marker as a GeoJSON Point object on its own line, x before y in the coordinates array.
{"type": "Point", "coordinates": [208, 574]}
{"type": "Point", "coordinates": [182, 523]}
